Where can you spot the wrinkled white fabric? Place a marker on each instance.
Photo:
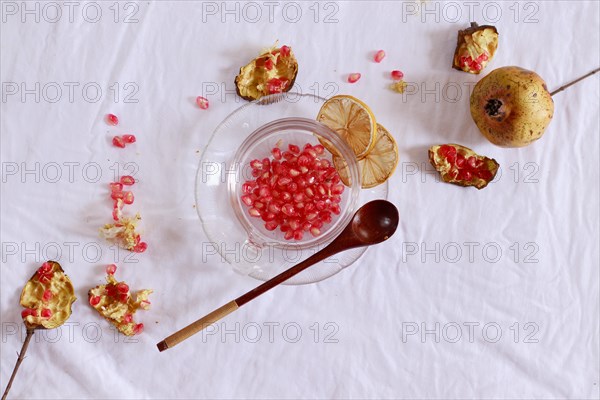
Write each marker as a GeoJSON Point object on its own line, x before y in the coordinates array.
{"type": "Point", "coordinates": [480, 294]}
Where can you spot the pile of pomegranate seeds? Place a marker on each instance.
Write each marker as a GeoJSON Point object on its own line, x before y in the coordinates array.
{"type": "Point", "coordinates": [352, 78]}
{"type": "Point", "coordinates": [294, 190]}
{"type": "Point", "coordinates": [380, 55]}
{"type": "Point", "coordinates": [202, 102]}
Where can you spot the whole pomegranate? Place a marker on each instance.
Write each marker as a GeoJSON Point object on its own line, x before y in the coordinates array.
{"type": "Point", "coordinates": [511, 106]}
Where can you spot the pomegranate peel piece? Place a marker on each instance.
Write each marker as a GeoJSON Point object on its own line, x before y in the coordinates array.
{"type": "Point", "coordinates": [122, 232]}
{"type": "Point", "coordinates": [461, 166]}
{"type": "Point", "coordinates": [475, 48]}
{"type": "Point", "coordinates": [47, 297]}
{"type": "Point", "coordinates": [117, 304]}
{"type": "Point", "coordinates": [273, 71]}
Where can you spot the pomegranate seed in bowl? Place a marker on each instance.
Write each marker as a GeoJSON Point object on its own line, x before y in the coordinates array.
{"type": "Point", "coordinates": [296, 195]}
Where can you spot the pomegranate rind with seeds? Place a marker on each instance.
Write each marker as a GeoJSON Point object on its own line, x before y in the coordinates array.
{"type": "Point", "coordinates": [117, 305]}
{"type": "Point", "coordinates": [47, 297]}
{"type": "Point", "coordinates": [273, 71]}
{"type": "Point", "coordinates": [475, 48]}
{"type": "Point", "coordinates": [475, 170]}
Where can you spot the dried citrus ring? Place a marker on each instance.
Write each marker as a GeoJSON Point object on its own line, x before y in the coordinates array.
{"type": "Point", "coordinates": [352, 120]}
{"type": "Point", "coordinates": [377, 166]}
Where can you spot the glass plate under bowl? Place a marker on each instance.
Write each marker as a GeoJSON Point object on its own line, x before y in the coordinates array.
{"type": "Point", "coordinates": [218, 177]}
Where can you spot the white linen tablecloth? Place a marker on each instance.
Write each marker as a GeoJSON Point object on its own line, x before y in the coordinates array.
{"type": "Point", "coordinates": [480, 294]}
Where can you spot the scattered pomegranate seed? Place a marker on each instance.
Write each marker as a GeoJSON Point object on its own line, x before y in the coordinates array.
{"type": "Point", "coordinates": [127, 318]}
{"type": "Point", "coordinates": [127, 180]}
{"type": "Point", "coordinates": [128, 197]}
{"type": "Point", "coordinates": [380, 55]}
{"type": "Point", "coordinates": [138, 329]}
{"type": "Point", "coordinates": [118, 142]}
{"type": "Point", "coordinates": [285, 51]}
{"type": "Point", "coordinates": [129, 138]}
{"type": "Point", "coordinates": [352, 78]}
{"type": "Point", "coordinates": [111, 269]}
{"type": "Point", "coordinates": [115, 186]}
{"type": "Point", "coordinates": [122, 287]}
{"type": "Point", "coordinates": [94, 300]}
{"type": "Point", "coordinates": [397, 75]}
{"type": "Point", "coordinates": [47, 296]}
{"type": "Point", "coordinates": [46, 313]}
{"type": "Point", "coordinates": [112, 119]}
{"type": "Point", "coordinates": [117, 195]}
{"type": "Point", "coordinates": [140, 247]}
{"type": "Point", "coordinates": [202, 102]}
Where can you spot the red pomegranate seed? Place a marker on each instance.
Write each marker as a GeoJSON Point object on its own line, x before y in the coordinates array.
{"type": "Point", "coordinates": [127, 180]}
{"type": "Point", "coordinates": [319, 149]}
{"type": "Point", "coordinates": [247, 200]}
{"type": "Point", "coordinates": [47, 296]}
{"type": "Point", "coordinates": [46, 313]}
{"type": "Point", "coordinates": [472, 162]}
{"type": "Point", "coordinates": [465, 175]}
{"type": "Point", "coordinates": [269, 64]}
{"type": "Point", "coordinates": [276, 152]}
{"type": "Point", "coordinates": [335, 208]}
{"type": "Point", "coordinates": [116, 186]}
{"type": "Point", "coordinates": [482, 57]}
{"type": "Point", "coordinates": [289, 234]}
{"type": "Point", "coordinates": [117, 195]}
{"type": "Point", "coordinates": [294, 149]}
{"type": "Point", "coordinates": [258, 205]}
{"type": "Point", "coordinates": [298, 235]}
{"type": "Point", "coordinates": [285, 51]}
{"type": "Point", "coordinates": [46, 268]}
{"type": "Point", "coordinates": [27, 312]}
{"type": "Point", "coordinates": [129, 138]}
{"type": "Point", "coordinates": [94, 300]}
{"type": "Point", "coordinates": [254, 212]}
{"type": "Point", "coordinates": [271, 225]}
{"type": "Point", "coordinates": [352, 78]}
{"type": "Point", "coordinates": [397, 75]}
{"type": "Point", "coordinates": [256, 164]}
{"type": "Point", "coordinates": [138, 329]}
{"type": "Point", "coordinates": [127, 318]}
{"type": "Point", "coordinates": [112, 119]}
{"type": "Point", "coordinates": [118, 142]}
{"type": "Point", "coordinates": [380, 55]}
{"type": "Point", "coordinates": [123, 297]}
{"type": "Point", "coordinates": [111, 269]}
{"type": "Point", "coordinates": [202, 102]}
{"type": "Point", "coordinates": [460, 161]}
{"type": "Point", "coordinates": [315, 231]}
{"type": "Point", "coordinates": [122, 287]}
{"type": "Point", "coordinates": [140, 247]}
{"type": "Point", "coordinates": [288, 209]}
{"type": "Point", "coordinates": [128, 197]}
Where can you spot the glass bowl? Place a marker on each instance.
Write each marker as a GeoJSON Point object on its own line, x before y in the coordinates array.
{"type": "Point", "coordinates": [247, 250]}
{"type": "Point", "coordinates": [281, 133]}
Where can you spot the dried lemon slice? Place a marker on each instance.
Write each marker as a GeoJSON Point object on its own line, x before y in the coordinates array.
{"type": "Point", "coordinates": [353, 120]}
{"type": "Point", "coordinates": [377, 166]}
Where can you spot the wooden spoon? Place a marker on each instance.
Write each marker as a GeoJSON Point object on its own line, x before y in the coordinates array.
{"type": "Point", "coordinates": [373, 223]}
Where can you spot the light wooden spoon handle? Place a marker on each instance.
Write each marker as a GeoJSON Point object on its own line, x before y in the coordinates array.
{"type": "Point", "coordinates": [197, 326]}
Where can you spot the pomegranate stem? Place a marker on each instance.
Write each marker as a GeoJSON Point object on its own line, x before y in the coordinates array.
{"type": "Point", "coordinates": [19, 361]}
{"type": "Point", "coordinates": [560, 89]}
